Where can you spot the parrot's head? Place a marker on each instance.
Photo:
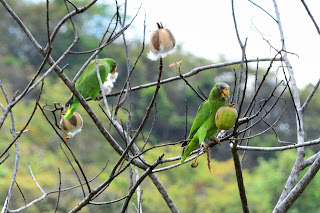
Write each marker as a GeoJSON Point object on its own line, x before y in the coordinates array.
{"type": "Point", "coordinates": [223, 90]}
{"type": "Point", "coordinates": [113, 64]}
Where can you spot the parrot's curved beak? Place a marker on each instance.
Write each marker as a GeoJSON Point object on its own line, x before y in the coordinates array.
{"type": "Point", "coordinates": [225, 93]}
{"type": "Point", "coordinates": [114, 71]}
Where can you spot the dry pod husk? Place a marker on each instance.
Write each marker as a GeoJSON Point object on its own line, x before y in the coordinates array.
{"type": "Point", "coordinates": [162, 42]}
{"type": "Point", "coordinates": [72, 126]}
{"type": "Point", "coordinates": [226, 117]}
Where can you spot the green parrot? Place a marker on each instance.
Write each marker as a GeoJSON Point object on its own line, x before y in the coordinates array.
{"type": "Point", "coordinates": [88, 84]}
{"type": "Point", "coordinates": [204, 125]}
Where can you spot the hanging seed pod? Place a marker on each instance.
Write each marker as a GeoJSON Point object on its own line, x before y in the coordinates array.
{"type": "Point", "coordinates": [226, 117]}
{"type": "Point", "coordinates": [162, 42]}
{"type": "Point", "coordinates": [72, 126]}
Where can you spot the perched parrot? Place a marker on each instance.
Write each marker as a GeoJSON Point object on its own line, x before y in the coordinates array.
{"type": "Point", "coordinates": [204, 126]}
{"type": "Point", "coordinates": [88, 84]}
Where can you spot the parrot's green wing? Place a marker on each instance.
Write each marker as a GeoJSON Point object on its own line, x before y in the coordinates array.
{"type": "Point", "coordinates": [202, 115]}
{"type": "Point", "coordinates": [197, 131]}
{"type": "Point", "coordinates": [88, 83]}
{"type": "Point", "coordinates": [204, 126]}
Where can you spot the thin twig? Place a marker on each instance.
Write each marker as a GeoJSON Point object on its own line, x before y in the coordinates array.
{"type": "Point", "coordinates": [280, 148]}
{"type": "Point", "coordinates": [146, 116]}
{"type": "Point", "coordinates": [309, 13]}
{"type": "Point", "coordinates": [139, 192]}
{"type": "Point", "coordinates": [4, 159]}
{"type": "Point", "coordinates": [17, 154]}
{"type": "Point", "coordinates": [34, 179]}
{"type": "Point", "coordinates": [127, 82]}
{"type": "Point", "coordinates": [68, 147]}
{"type": "Point", "coordinates": [138, 182]}
{"type": "Point", "coordinates": [59, 191]}
{"type": "Point", "coordinates": [48, 27]}
{"type": "Point", "coordinates": [193, 72]}
{"type": "Point", "coordinates": [263, 10]}
{"type": "Point", "coordinates": [314, 89]}
{"type": "Point", "coordinates": [96, 52]}
{"type": "Point", "coordinates": [24, 199]}
{"type": "Point", "coordinates": [74, 170]}
{"type": "Point", "coordinates": [68, 16]}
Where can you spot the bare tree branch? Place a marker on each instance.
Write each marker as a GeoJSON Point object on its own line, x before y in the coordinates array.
{"type": "Point", "coordinates": [59, 191]}
{"type": "Point", "coordinates": [138, 182]}
{"type": "Point", "coordinates": [293, 177]}
{"type": "Point", "coordinates": [281, 148]}
{"type": "Point", "coordinates": [295, 193]}
{"type": "Point", "coordinates": [17, 157]}
{"type": "Point", "coordinates": [195, 71]}
{"type": "Point", "coordinates": [309, 13]}
{"type": "Point", "coordinates": [314, 89]}
{"type": "Point", "coordinates": [238, 169]}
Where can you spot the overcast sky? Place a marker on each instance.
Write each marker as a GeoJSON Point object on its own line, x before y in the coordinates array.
{"type": "Point", "coordinates": [205, 28]}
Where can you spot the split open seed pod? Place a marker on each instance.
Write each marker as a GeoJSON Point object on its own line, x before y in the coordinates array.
{"type": "Point", "coordinates": [72, 126]}
{"type": "Point", "coordinates": [162, 43]}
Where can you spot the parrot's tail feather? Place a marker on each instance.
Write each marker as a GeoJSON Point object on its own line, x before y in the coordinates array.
{"type": "Point", "coordinates": [70, 111]}
{"type": "Point", "coordinates": [184, 157]}
{"type": "Point", "coordinates": [191, 135]}
{"type": "Point", "coordinates": [191, 146]}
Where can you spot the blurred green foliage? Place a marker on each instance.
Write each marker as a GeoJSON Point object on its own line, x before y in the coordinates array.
{"type": "Point", "coordinates": [192, 190]}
